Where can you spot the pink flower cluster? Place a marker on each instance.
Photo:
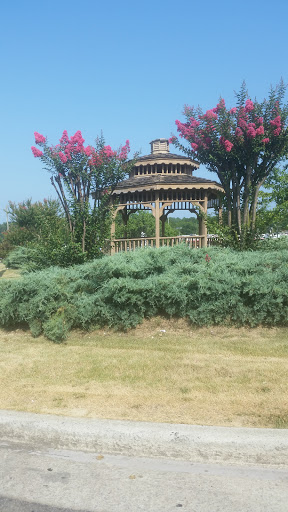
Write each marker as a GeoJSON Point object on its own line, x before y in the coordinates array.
{"type": "Point", "coordinates": [249, 128]}
{"type": "Point", "coordinates": [64, 139]}
{"type": "Point", "coordinates": [108, 152]}
{"type": "Point", "coordinates": [39, 139]}
{"type": "Point", "coordinates": [93, 158]}
{"type": "Point", "coordinates": [194, 123]}
{"type": "Point", "coordinates": [210, 114]}
{"type": "Point", "coordinates": [220, 106]}
{"type": "Point", "coordinates": [124, 151]}
{"type": "Point", "coordinates": [67, 146]}
{"type": "Point", "coordinates": [185, 129]}
{"type": "Point", "coordinates": [76, 143]}
{"type": "Point", "coordinates": [62, 157]}
{"type": "Point", "coordinates": [242, 119]}
{"type": "Point", "coordinates": [276, 123]}
{"type": "Point", "coordinates": [89, 151]}
{"type": "Point", "coordinates": [226, 143]}
{"type": "Point", "coordinates": [260, 130]}
{"type": "Point", "coordinates": [199, 136]}
{"type": "Point", "coordinates": [200, 130]}
{"type": "Point", "coordinates": [249, 106]}
{"type": "Point", "coordinates": [251, 132]}
{"type": "Point", "coordinates": [242, 123]}
{"type": "Point", "coordinates": [36, 152]}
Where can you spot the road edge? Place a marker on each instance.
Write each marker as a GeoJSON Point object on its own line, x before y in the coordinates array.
{"type": "Point", "coordinates": [196, 443]}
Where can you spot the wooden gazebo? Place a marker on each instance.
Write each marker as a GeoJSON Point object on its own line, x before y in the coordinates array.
{"type": "Point", "coordinates": [162, 183]}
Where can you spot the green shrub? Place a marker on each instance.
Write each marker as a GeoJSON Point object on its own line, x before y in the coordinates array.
{"type": "Point", "coordinates": [37, 257]}
{"type": "Point", "coordinates": [35, 326]}
{"type": "Point", "coordinates": [272, 244]}
{"type": "Point", "coordinates": [57, 327]}
{"type": "Point", "coordinates": [21, 257]}
{"type": "Point", "coordinates": [240, 288]}
{"type": "Point", "coordinates": [41, 231]}
{"type": "Point", "coordinates": [5, 248]}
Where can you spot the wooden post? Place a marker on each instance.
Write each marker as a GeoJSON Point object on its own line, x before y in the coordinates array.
{"type": "Point", "coordinates": [163, 226]}
{"type": "Point", "coordinates": [157, 219]}
{"type": "Point", "coordinates": [202, 222]}
{"type": "Point", "coordinates": [112, 250]}
{"type": "Point", "coordinates": [125, 220]}
{"type": "Point", "coordinates": [163, 219]}
{"type": "Point", "coordinates": [112, 233]}
{"type": "Point", "coordinates": [220, 220]}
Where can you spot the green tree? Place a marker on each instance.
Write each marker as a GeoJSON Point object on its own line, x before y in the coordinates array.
{"type": "Point", "coordinates": [41, 228]}
{"type": "Point", "coordinates": [242, 145]}
{"type": "Point", "coordinates": [3, 229]}
{"type": "Point", "coordinates": [273, 204]}
{"type": "Point", "coordinates": [138, 222]}
{"type": "Point", "coordinates": [84, 179]}
{"type": "Point", "coordinates": [144, 222]}
{"type": "Point", "coordinates": [34, 217]}
{"type": "Point", "coordinates": [185, 225]}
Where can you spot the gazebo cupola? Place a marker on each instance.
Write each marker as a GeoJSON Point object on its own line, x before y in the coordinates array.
{"type": "Point", "coordinates": [159, 146]}
{"type": "Point", "coordinates": [163, 182]}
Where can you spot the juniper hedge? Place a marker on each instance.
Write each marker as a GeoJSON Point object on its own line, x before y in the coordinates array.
{"type": "Point", "coordinates": [227, 287]}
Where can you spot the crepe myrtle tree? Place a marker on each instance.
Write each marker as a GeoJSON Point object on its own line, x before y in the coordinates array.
{"type": "Point", "coordinates": [84, 178]}
{"type": "Point", "coordinates": [242, 145]}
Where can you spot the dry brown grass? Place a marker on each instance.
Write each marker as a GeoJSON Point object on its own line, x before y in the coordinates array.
{"type": "Point", "coordinates": [218, 376]}
{"type": "Point", "coordinates": [8, 273]}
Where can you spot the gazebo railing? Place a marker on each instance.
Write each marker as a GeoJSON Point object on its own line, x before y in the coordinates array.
{"type": "Point", "coordinates": [130, 244]}
{"type": "Point", "coordinates": [192, 241]}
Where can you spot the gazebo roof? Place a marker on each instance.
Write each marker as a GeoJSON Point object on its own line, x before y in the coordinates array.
{"type": "Point", "coordinates": [165, 180]}
{"type": "Point", "coordinates": [166, 156]}
{"type": "Point", "coordinates": [160, 153]}
{"type": "Point", "coordinates": [164, 170]}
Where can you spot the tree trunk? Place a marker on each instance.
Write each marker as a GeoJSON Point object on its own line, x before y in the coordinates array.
{"type": "Point", "coordinates": [229, 208]}
{"type": "Point", "coordinates": [254, 203]}
{"type": "Point", "coordinates": [63, 201]}
{"type": "Point", "coordinates": [234, 212]}
{"type": "Point", "coordinates": [246, 195]}
{"type": "Point", "coordinates": [84, 236]}
{"type": "Point", "coordinates": [238, 206]}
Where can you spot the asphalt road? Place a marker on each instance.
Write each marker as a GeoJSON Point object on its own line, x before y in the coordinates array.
{"type": "Point", "coordinates": [37, 478]}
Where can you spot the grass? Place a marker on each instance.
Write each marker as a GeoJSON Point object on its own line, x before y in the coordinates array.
{"type": "Point", "coordinates": [212, 376]}
{"type": "Point", "coordinates": [8, 273]}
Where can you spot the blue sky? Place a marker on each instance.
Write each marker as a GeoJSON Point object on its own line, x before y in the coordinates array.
{"type": "Point", "coordinates": [126, 68]}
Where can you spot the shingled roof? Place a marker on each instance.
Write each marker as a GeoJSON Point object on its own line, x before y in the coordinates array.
{"type": "Point", "coordinates": [160, 179]}
{"type": "Point", "coordinates": [165, 156]}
